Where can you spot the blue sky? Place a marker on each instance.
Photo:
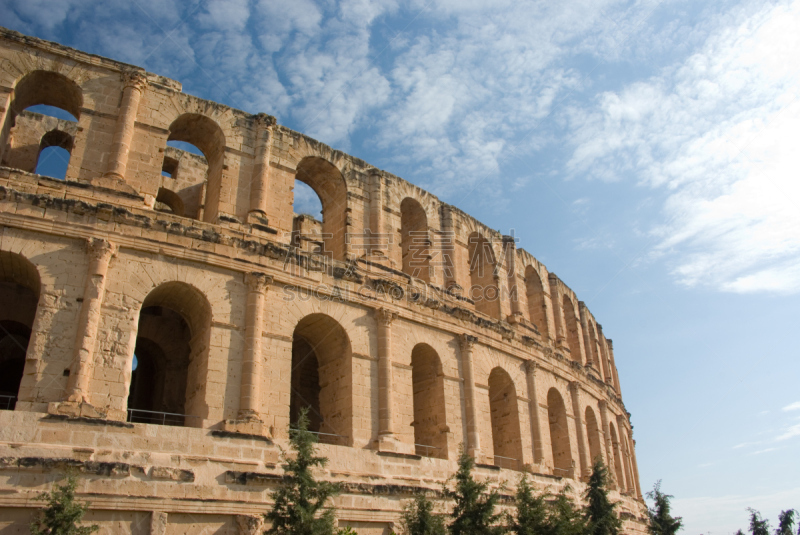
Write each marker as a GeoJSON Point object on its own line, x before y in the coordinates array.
{"type": "Point", "coordinates": [645, 151]}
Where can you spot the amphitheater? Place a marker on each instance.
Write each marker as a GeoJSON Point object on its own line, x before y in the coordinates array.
{"type": "Point", "coordinates": [165, 315]}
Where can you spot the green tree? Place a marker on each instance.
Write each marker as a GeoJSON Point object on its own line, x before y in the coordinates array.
{"type": "Point", "coordinates": [786, 522]}
{"type": "Point", "coordinates": [661, 521]}
{"type": "Point", "coordinates": [63, 513]}
{"type": "Point", "coordinates": [419, 519]}
{"type": "Point", "coordinates": [473, 513]}
{"type": "Point", "coordinates": [299, 507]}
{"type": "Point", "coordinates": [531, 513]}
{"type": "Point", "coordinates": [758, 526]}
{"type": "Point", "coordinates": [600, 514]}
{"type": "Point", "coordinates": [565, 518]}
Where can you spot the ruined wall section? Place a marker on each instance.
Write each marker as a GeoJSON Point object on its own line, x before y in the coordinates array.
{"type": "Point", "coordinates": [523, 387]}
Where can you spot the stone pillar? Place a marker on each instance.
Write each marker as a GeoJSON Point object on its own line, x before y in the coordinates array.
{"type": "Point", "coordinates": [384, 318]}
{"type": "Point", "coordinates": [613, 365]}
{"type": "Point", "coordinates": [158, 523]}
{"type": "Point", "coordinates": [609, 446]}
{"type": "Point", "coordinates": [533, 404]}
{"type": "Point", "coordinates": [635, 465]}
{"type": "Point", "coordinates": [514, 288]}
{"type": "Point", "coordinates": [585, 469]}
{"type": "Point", "coordinates": [473, 437]}
{"type": "Point", "coordinates": [250, 525]}
{"type": "Point", "coordinates": [447, 245]}
{"type": "Point", "coordinates": [603, 355]}
{"type": "Point", "coordinates": [625, 456]}
{"type": "Point", "coordinates": [249, 417]}
{"type": "Point", "coordinates": [135, 83]}
{"type": "Point", "coordinates": [558, 313]}
{"type": "Point", "coordinates": [588, 343]}
{"type": "Point", "coordinates": [99, 253]}
{"type": "Point", "coordinates": [376, 240]}
{"type": "Point", "coordinates": [259, 181]}
{"type": "Point", "coordinates": [5, 123]}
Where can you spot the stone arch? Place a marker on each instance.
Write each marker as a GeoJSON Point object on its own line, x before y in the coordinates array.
{"type": "Point", "coordinates": [322, 378]}
{"type": "Point", "coordinates": [41, 87]}
{"type": "Point", "coordinates": [430, 422]}
{"type": "Point", "coordinates": [593, 432]}
{"type": "Point", "coordinates": [617, 456]}
{"type": "Point", "coordinates": [207, 135]}
{"type": "Point", "coordinates": [172, 343]}
{"type": "Point", "coordinates": [504, 413]}
{"type": "Point", "coordinates": [171, 202]}
{"type": "Point", "coordinates": [415, 239]}
{"type": "Point", "coordinates": [51, 142]}
{"type": "Point", "coordinates": [571, 329]}
{"type": "Point", "coordinates": [484, 289]}
{"type": "Point", "coordinates": [559, 434]}
{"type": "Point", "coordinates": [20, 286]}
{"type": "Point", "coordinates": [328, 183]}
{"type": "Point", "coordinates": [537, 309]}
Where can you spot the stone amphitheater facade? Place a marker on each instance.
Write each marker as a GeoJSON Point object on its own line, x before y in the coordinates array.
{"type": "Point", "coordinates": [408, 327]}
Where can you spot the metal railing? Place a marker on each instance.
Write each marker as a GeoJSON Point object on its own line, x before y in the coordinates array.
{"type": "Point", "coordinates": [499, 461]}
{"type": "Point", "coordinates": [7, 403]}
{"type": "Point", "coordinates": [141, 416]}
{"type": "Point", "coordinates": [427, 449]}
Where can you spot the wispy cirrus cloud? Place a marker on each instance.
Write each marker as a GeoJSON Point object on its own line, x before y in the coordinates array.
{"type": "Point", "coordinates": [718, 133]}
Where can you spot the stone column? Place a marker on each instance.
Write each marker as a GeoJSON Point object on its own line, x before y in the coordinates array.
{"type": "Point", "coordinates": [635, 465]}
{"type": "Point", "coordinates": [252, 376]}
{"type": "Point", "coordinates": [558, 313]}
{"type": "Point", "coordinates": [100, 253]}
{"type": "Point", "coordinates": [473, 437]}
{"type": "Point", "coordinates": [533, 404]}
{"type": "Point", "coordinates": [376, 241]}
{"type": "Point", "coordinates": [158, 523]}
{"type": "Point", "coordinates": [514, 288]}
{"type": "Point", "coordinates": [625, 456]}
{"type": "Point", "coordinates": [259, 181]}
{"type": "Point", "coordinates": [447, 245]}
{"type": "Point", "coordinates": [585, 468]}
{"type": "Point", "coordinates": [5, 114]}
{"type": "Point", "coordinates": [384, 318]}
{"type": "Point", "coordinates": [609, 446]}
{"type": "Point", "coordinates": [613, 365]}
{"type": "Point", "coordinates": [588, 343]}
{"type": "Point", "coordinates": [603, 355]}
{"type": "Point", "coordinates": [135, 83]}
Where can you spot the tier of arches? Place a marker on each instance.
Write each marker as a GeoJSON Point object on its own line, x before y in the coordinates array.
{"type": "Point", "coordinates": [426, 254]}
{"type": "Point", "coordinates": [168, 364]}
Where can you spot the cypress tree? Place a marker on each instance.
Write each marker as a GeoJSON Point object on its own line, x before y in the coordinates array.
{"type": "Point", "coordinates": [758, 525]}
{"type": "Point", "coordinates": [786, 522]}
{"type": "Point", "coordinates": [473, 513]}
{"type": "Point", "coordinates": [531, 511]}
{"type": "Point", "coordinates": [418, 518]}
{"type": "Point", "coordinates": [661, 521]}
{"type": "Point", "coordinates": [600, 513]}
{"type": "Point", "coordinates": [564, 517]}
{"type": "Point", "coordinates": [299, 507]}
{"type": "Point", "coordinates": [63, 513]}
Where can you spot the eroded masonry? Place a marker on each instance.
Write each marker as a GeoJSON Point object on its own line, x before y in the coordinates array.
{"type": "Point", "coordinates": [165, 314]}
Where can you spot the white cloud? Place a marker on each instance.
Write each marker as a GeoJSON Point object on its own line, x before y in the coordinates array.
{"type": "Point", "coordinates": [792, 406]}
{"type": "Point", "coordinates": [790, 432]}
{"type": "Point", "coordinates": [719, 133]}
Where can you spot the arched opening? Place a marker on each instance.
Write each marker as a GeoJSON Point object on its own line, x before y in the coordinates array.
{"type": "Point", "coordinates": [322, 378]}
{"type": "Point", "coordinates": [19, 297]}
{"type": "Point", "coordinates": [430, 425]}
{"type": "Point", "coordinates": [504, 411]}
{"type": "Point", "coordinates": [414, 239]}
{"type": "Point", "coordinates": [54, 154]}
{"type": "Point", "coordinates": [571, 323]}
{"type": "Point", "coordinates": [484, 289]}
{"type": "Point", "coordinates": [617, 456]}
{"type": "Point", "coordinates": [53, 102]}
{"type": "Point", "coordinates": [593, 431]}
{"type": "Point", "coordinates": [207, 136]}
{"type": "Point", "coordinates": [626, 455]}
{"type": "Point", "coordinates": [537, 310]}
{"type": "Point", "coordinates": [169, 356]}
{"type": "Point", "coordinates": [328, 184]}
{"type": "Point", "coordinates": [607, 377]}
{"type": "Point", "coordinates": [307, 220]}
{"type": "Point", "coordinates": [559, 434]}
{"type": "Point", "coordinates": [169, 202]}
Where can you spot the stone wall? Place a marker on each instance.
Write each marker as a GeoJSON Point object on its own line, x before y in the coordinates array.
{"type": "Point", "coordinates": [164, 315]}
